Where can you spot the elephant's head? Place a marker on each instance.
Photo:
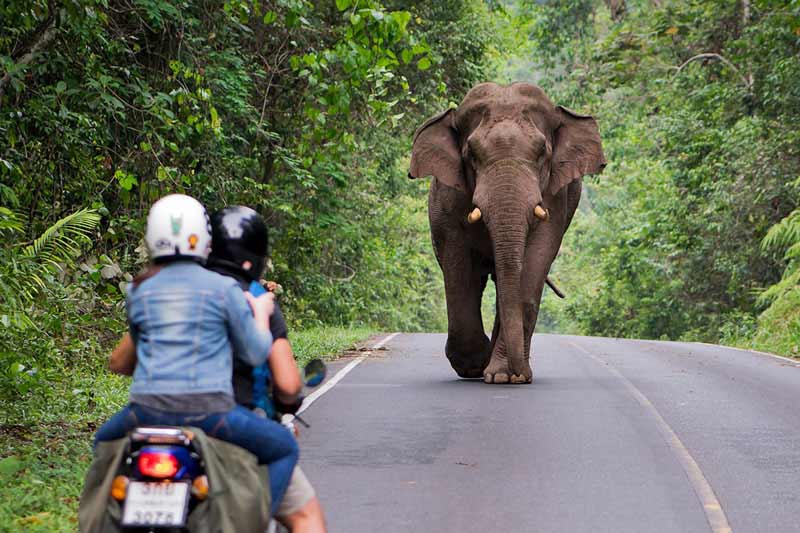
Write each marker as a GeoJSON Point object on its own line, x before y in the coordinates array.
{"type": "Point", "coordinates": [512, 152]}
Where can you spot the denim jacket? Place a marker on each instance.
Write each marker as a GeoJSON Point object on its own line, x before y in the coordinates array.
{"type": "Point", "coordinates": [187, 322]}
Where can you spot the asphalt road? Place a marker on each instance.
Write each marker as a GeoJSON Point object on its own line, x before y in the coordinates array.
{"type": "Point", "coordinates": [613, 435]}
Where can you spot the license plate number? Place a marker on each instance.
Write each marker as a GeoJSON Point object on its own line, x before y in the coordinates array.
{"type": "Point", "coordinates": [155, 504]}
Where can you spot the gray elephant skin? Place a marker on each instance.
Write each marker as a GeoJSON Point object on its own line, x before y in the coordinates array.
{"type": "Point", "coordinates": [507, 169]}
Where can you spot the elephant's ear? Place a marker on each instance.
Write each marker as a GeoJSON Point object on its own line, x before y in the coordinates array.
{"type": "Point", "coordinates": [436, 153]}
{"type": "Point", "coordinates": [577, 149]}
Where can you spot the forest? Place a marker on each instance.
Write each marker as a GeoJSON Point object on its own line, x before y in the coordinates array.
{"type": "Point", "coordinates": [305, 111]}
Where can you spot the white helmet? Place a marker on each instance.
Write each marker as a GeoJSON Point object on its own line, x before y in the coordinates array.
{"type": "Point", "coordinates": [177, 226]}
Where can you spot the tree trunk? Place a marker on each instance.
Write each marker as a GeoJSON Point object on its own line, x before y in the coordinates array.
{"type": "Point", "coordinates": [43, 36]}
{"type": "Point", "coordinates": [617, 9]}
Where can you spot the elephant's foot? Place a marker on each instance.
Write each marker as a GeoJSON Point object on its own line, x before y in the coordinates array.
{"type": "Point", "coordinates": [499, 371]}
{"type": "Point", "coordinates": [469, 363]}
{"type": "Point", "coordinates": [468, 372]}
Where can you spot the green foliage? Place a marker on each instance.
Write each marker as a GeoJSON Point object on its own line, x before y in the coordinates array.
{"type": "Point", "coordinates": [785, 235]}
{"type": "Point", "coordinates": [43, 463]}
{"type": "Point", "coordinates": [61, 242]}
{"type": "Point", "coordinates": [28, 276]}
{"type": "Point", "coordinates": [696, 108]}
{"type": "Point", "coordinates": [41, 492]}
{"type": "Point", "coordinates": [779, 326]}
{"type": "Point", "coordinates": [326, 342]}
{"type": "Point", "coordinates": [302, 110]}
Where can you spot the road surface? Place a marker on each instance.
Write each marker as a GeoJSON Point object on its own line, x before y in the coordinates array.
{"type": "Point", "coordinates": [613, 435]}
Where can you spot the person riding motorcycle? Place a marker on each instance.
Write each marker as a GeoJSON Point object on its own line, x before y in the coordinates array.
{"type": "Point", "coordinates": [239, 251]}
{"type": "Point", "coordinates": [240, 247]}
{"type": "Point", "coordinates": [185, 323]}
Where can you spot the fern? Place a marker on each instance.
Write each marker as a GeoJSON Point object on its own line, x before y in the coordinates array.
{"type": "Point", "coordinates": [62, 241]}
{"type": "Point", "coordinates": [790, 281]}
{"type": "Point", "coordinates": [784, 235]}
{"type": "Point", "coordinates": [10, 221]}
{"type": "Point", "coordinates": [25, 271]}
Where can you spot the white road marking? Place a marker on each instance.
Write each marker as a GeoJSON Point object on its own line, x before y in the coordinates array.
{"type": "Point", "coordinates": [705, 493]}
{"type": "Point", "coordinates": [328, 385]}
{"type": "Point", "coordinates": [793, 361]}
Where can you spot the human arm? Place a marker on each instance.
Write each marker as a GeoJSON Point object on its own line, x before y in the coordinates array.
{"type": "Point", "coordinates": [123, 357]}
{"type": "Point", "coordinates": [285, 374]}
{"type": "Point", "coordinates": [249, 324]}
{"type": "Point", "coordinates": [282, 366]}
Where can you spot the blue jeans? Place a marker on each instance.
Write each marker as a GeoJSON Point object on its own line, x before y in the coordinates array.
{"type": "Point", "coordinates": [272, 443]}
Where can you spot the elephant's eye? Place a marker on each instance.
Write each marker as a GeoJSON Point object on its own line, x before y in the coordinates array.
{"type": "Point", "coordinates": [539, 144]}
{"type": "Point", "coordinates": [471, 153]}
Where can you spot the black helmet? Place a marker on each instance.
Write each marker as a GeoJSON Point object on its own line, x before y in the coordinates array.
{"type": "Point", "coordinates": [239, 234]}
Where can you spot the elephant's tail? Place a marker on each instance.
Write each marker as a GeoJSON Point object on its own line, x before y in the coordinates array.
{"type": "Point", "coordinates": [554, 288]}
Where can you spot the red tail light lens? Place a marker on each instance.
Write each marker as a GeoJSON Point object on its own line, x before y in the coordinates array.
{"type": "Point", "coordinates": [158, 464]}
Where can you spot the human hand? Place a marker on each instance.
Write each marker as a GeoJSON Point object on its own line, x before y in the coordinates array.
{"type": "Point", "coordinates": [262, 307]}
{"type": "Point", "coordinates": [272, 286]}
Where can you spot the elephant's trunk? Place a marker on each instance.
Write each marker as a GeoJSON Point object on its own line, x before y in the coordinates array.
{"type": "Point", "coordinates": [509, 249]}
{"type": "Point", "coordinates": [508, 212]}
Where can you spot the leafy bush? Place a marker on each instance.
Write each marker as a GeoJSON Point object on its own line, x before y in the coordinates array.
{"type": "Point", "coordinates": [779, 325]}
{"type": "Point", "coordinates": [303, 111]}
{"type": "Point", "coordinates": [30, 331]}
{"type": "Point", "coordinates": [696, 110]}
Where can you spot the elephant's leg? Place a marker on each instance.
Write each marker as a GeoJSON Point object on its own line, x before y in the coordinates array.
{"type": "Point", "coordinates": [496, 327]}
{"type": "Point", "coordinates": [497, 370]}
{"type": "Point", "coordinates": [531, 313]}
{"type": "Point", "coordinates": [540, 251]}
{"type": "Point", "coordinates": [467, 346]}
{"type": "Point", "coordinates": [539, 256]}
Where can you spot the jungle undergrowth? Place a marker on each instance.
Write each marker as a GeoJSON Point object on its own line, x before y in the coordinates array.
{"type": "Point", "coordinates": [46, 438]}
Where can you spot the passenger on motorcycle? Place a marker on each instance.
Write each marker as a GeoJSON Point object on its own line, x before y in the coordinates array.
{"type": "Point", "coordinates": [240, 237]}
{"type": "Point", "coordinates": [240, 247]}
{"type": "Point", "coordinates": [186, 322]}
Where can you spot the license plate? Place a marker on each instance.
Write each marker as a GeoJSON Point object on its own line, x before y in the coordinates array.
{"type": "Point", "coordinates": [155, 504]}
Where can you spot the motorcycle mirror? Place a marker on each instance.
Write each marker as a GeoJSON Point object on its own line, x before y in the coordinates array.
{"type": "Point", "coordinates": [314, 372]}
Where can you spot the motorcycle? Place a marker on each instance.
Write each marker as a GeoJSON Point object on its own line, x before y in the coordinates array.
{"type": "Point", "coordinates": [162, 477]}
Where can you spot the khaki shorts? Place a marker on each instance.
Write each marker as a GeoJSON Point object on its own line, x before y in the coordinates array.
{"type": "Point", "coordinates": [298, 494]}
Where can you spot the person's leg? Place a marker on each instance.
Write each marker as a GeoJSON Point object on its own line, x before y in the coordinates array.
{"type": "Point", "coordinates": [133, 415]}
{"type": "Point", "coordinates": [272, 443]}
{"type": "Point", "coordinates": [117, 426]}
{"type": "Point", "coordinates": [307, 519]}
{"type": "Point", "coordinates": [300, 510]}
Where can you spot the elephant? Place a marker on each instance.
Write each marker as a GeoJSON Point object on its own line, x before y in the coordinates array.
{"type": "Point", "coordinates": [507, 167]}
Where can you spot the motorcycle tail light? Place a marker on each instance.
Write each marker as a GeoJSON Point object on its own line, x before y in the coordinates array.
{"type": "Point", "coordinates": [119, 488]}
{"type": "Point", "coordinates": [200, 487]}
{"type": "Point", "coordinates": [158, 464]}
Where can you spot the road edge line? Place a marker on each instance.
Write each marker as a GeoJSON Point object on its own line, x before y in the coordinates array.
{"type": "Point", "coordinates": [792, 360]}
{"type": "Point", "coordinates": [712, 507]}
{"type": "Point", "coordinates": [328, 385]}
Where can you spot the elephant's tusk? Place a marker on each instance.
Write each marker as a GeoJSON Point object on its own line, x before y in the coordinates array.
{"type": "Point", "coordinates": [474, 216]}
{"type": "Point", "coordinates": [541, 213]}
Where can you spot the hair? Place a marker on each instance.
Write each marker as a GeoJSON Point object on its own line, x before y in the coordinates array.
{"type": "Point", "coordinates": [146, 274]}
{"type": "Point", "coordinates": [160, 262]}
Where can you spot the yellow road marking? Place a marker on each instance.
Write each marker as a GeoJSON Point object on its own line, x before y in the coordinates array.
{"type": "Point", "coordinates": [702, 488]}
